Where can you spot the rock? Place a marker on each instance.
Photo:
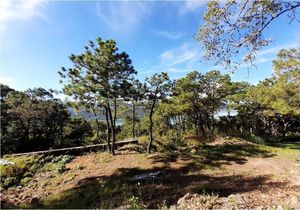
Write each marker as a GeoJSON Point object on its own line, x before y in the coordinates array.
{"type": "Point", "coordinates": [194, 151]}
{"type": "Point", "coordinates": [6, 162]}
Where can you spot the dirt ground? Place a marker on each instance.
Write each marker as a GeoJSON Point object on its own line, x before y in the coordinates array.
{"type": "Point", "coordinates": [241, 174]}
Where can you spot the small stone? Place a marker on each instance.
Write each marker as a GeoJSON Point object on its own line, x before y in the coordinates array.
{"type": "Point", "coordinates": [193, 151]}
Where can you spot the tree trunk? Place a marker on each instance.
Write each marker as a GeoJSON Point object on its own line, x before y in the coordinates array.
{"type": "Point", "coordinates": [201, 125]}
{"type": "Point", "coordinates": [108, 130]}
{"type": "Point", "coordinates": [112, 130]}
{"type": "Point", "coordinates": [115, 112]}
{"type": "Point", "coordinates": [151, 128]}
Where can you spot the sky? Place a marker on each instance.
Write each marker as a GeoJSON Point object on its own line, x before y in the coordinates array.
{"type": "Point", "coordinates": [37, 37]}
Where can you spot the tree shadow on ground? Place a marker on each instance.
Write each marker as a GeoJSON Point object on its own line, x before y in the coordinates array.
{"type": "Point", "coordinates": [180, 174]}
{"type": "Point", "coordinates": [210, 155]}
{"type": "Point", "coordinates": [287, 145]}
{"type": "Point", "coordinates": [117, 190]}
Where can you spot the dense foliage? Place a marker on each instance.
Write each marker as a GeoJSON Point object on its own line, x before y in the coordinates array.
{"type": "Point", "coordinates": [34, 120]}
{"type": "Point", "coordinates": [197, 106]}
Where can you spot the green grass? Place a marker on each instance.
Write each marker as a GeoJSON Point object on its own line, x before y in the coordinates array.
{"type": "Point", "coordinates": [96, 194]}
{"type": "Point", "coordinates": [12, 175]}
{"type": "Point", "coordinates": [25, 167]}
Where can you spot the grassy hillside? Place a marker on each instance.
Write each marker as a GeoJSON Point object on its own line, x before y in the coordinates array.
{"type": "Point", "coordinates": [228, 173]}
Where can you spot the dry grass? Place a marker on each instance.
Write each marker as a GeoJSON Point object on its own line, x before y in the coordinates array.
{"type": "Point", "coordinates": [260, 175]}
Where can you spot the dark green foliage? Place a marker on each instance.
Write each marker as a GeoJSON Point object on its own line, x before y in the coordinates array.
{"type": "Point", "coordinates": [77, 131]}
{"type": "Point", "coordinates": [34, 120]}
{"type": "Point", "coordinates": [101, 82]}
{"type": "Point", "coordinates": [20, 172]}
{"type": "Point", "coordinates": [57, 164]}
{"type": "Point", "coordinates": [100, 76]}
{"type": "Point", "coordinates": [25, 167]}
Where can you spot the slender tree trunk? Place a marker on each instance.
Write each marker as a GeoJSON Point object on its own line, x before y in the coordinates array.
{"type": "Point", "coordinates": [115, 112]}
{"type": "Point", "coordinates": [151, 128]}
{"type": "Point", "coordinates": [112, 130]}
{"type": "Point", "coordinates": [241, 130]}
{"type": "Point", "coordinates": [201, 125]}
{"type": "Point", "coordinates": [196, 126]}
{"type": "Point", "coordinates": [108, 130]}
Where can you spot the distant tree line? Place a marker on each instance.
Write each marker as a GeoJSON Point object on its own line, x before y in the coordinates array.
{"type": "Point", "coordinates": [102, 82]}
{"type": "Point", "coordinates": [34, 120]}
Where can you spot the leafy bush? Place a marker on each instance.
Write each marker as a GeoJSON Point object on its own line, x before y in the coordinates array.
{"type": "Point", "coordinates": [62, 158]}
{"type": "Point", "coordinates": [24, 168]}
{"type": "Point", "coordinates": [256, 139]}
{"type": "Point", "coordinates": [135, 203]}
{"type": "Point", "coordinates": [58, 164]}
{"type": "Point", "coordinates": [12, 174]}
{"type": "Point", "coordinates": [25, 181]}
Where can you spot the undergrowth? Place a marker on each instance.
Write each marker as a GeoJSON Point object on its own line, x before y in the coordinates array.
{"type": "Point", "coordinates": [21, 172]}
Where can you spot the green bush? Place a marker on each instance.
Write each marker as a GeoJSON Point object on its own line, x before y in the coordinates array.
{"type": "Point", "coordinates": [256, 139]}
{"type": "Point", "coordinates": [24, 168]}
{"type": "Point", "coordinates": [57, 164]}
{"type": "Point", "coordinates": [25, 181]}
{"type": "Point", "coordinates": [12, 174]}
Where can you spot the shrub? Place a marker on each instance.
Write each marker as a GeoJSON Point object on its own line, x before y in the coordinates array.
{"type": "Point", "coordinates": [12, 174]}
{"type": "Point", "coordinates": [25, 181]}
{"type": "Point", "coordinates": [256, 139]}
{"type": "Point", "coordinates": [58, 164]}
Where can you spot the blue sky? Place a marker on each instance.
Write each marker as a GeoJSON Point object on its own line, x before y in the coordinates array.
{"type": "Point", "coordinates": [38, 36]}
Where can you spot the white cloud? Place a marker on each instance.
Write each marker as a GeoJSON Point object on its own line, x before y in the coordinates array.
{"type": "Point", "coordinates": [122, 16]}
{"type": "Point", "coordinates": [186, 53]}
{"type": "Point", "coordinates": [172, 69]}
{"type": "Point", "coordinates": [11, 10]}
{"type": "Point", "coordinates": [191, 6]}
{"type": "Point", "coordinates": [276, 49]}
{"type": "Point", "coordinates": [169, 35]}
{"type": "Point", "coordinates": [181, 59]}
{"type": "Point", "coordinates": [270, 53]}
